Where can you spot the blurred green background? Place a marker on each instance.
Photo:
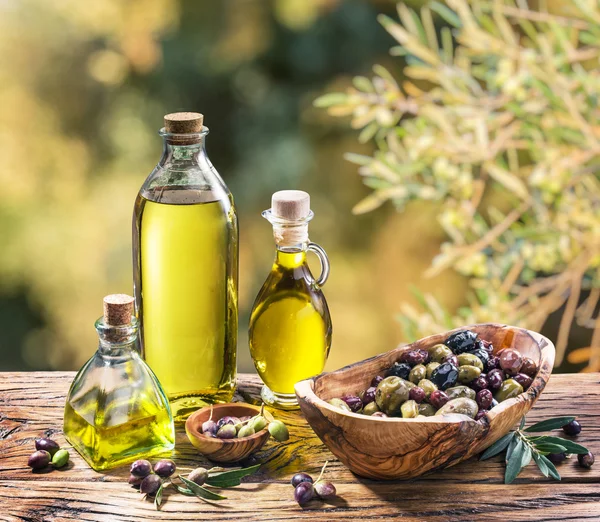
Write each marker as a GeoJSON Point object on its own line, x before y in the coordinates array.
{"type": "Point", "coordinates": [83, 88]}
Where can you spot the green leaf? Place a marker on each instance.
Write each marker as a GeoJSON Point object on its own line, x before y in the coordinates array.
{"type": "Point", "coordinates": [185, 491]}
{"type": "Point", "coordinates": [522, 423]}
{"type": "Point", "coordinates": [200, 491]}
{"type": "Point", "coordinates": [570, 446]}
{"type": "Point", "coordinates": [552, 471]}
{"type": "Point", "coordinates": [446, 13]}
{"type": "Point", "coordinates": [358, 159]}
{"type": "Point", "coordinates": [158, 497]}
{"type": "Point", "coordinates": [329, 99]}
{"type": "Point", "coordinates": [498, 446]}
{"type": "Point", "coordinates": [549, 424]}
{"type": "Point", "coordinates": [513, 466]}
{"type": "Point", "coordinates": [363, 84]}
{"type": "Point", "coordinates": [227, 478]}
{"type": "Point", "coordinates": [540, 463]}
{"type": "Point", "coordinates": [511, 448]}
{"type": "Point", "coordinates": [550, 447]}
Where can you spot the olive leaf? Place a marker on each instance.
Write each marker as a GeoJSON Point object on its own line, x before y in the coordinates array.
{"type": "Point", "coordinates": [201, 492]}
{"type": "Point", "coordinates": [158, 497]}
{"type": "Point", "coordinates": [549, 424]}
{"type": "Point", "coordinates": [552, 471]}
{"type": "Point", "coordinates": [548, 447]}
{"type": "Point", "coordinates": [227, 479]}
{"type": "Point", "coordinates": [498, 446]}
{"type": "Point", "coordinates": [513, 463]}
{"type": "Point", "coordinates": [569, 445]}
{"type": "Point", "coordinates": [540, 463]}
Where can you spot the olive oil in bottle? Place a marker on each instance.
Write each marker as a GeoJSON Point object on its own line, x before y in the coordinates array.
{"type": "Point", "coordinates": [186, 265]}
{"type": "Point", "coordinates": [116, 410]}
{"type": "Point", "coordinates": [290, 326]}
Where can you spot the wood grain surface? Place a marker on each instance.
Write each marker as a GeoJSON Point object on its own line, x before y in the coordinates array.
{"type": "Point", "coordinates": [31, 405]}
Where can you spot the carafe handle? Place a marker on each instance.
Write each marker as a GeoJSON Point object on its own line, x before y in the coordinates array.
{"type": "Point", "coordinates": [322, 255]}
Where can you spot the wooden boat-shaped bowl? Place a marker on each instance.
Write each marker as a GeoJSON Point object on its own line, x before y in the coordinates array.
{"type": "Point", "coordinates": [396, 448]}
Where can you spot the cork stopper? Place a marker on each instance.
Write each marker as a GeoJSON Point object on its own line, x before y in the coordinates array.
{"type": "Point", "coordinates": [118, 309]}
{"type": "Point", "coordinates": [290, 204]}
{"type": "Point", "coordinates": [184, 122]}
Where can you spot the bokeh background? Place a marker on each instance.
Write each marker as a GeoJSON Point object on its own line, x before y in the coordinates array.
{"type": "Point", "coordinates": [83, 88]}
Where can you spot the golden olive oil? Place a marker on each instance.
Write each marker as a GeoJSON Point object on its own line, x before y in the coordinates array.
{"type": "Point", "coordinates": [186, 254]}
{"type": "Point", "coordinates": [290, 326]}
{"type": "Point", "coordinates": [110, 438]}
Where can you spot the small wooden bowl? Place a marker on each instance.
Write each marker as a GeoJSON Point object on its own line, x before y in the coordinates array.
{"type": "Point", "coordinates": [226, 450]}
{"type": "Point", "coordinates": [396, 448]}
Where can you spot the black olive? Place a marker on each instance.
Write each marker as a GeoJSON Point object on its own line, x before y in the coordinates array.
{"type": "Point", "coordinates": [483, 355]}
{"type": "Point", "coordinates": [399, 370]}
{"type": "Point", "coordinates": [444, 376]}
{"type": "Point", "coordinates": [461, 342]}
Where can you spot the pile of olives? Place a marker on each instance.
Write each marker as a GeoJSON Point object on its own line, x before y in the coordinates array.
{"type": "Point", "coordinates": [149, 479]}
{"type": "Point", "coordinates": [462, 375]}
{"type": "Point", "coordinates": [229, 427]}
{"type": "Point", "coordinates": [48, 452]}
{"type": "Point", "coordinates": [306, 489]}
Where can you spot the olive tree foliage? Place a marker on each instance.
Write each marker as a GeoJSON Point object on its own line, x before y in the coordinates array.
{"type": "Point", "coordinates": [497, 120]}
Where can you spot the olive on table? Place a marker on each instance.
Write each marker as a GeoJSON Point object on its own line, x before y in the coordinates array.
{"type": "Point", "coordinates": [135, 481]}
{"type": "Point", "coordinates": [370, 408]}
{"type": "Point", "coordinates": [391, 393]}
{"type": "Point", "coordinates": [150, 485]}
{"type": "Point", "coordinates": [325, 490]}
{"type": "Point", "coordinates": [445, 376]}
{"type": "Point", "coordinates": [338, 403]}
{"type": "Point", "coordinates": [484, 399]}
{"type": "Point", "coordinates": [469, 359]}
{"type": "Point", "coordinates": [401, 370]}
{"type": "Point", "coordinates": [523, 380]}
{"type": "Point", "coordinates": [460, 391]}
{"type": "Point", "coordinates": [417, 394]}
{"type": "Point", "coordinates": [417, 373]}
{"type": "Point", "coordinates": [438, 398]}
{"type": "Point", "coordinates": [509, 389]}
{"type": "Point", "coordinates": [495, 378]}
{"type": "Point", "coordinates": [586, 460]}
{"type": "Point", "coordinates": [468, 373]}
{"type": "Point", "coordinates": [141, 468]}
{"type": "Point", "coordinates": [427, 410]}
{"type": "Point", "coordinates": [278, 431]}
{"type": "Point", "coordinates": [460, 342]}
{"type": "Point", "coordinates": [304, 492]}
{"type": "Point", "coordinates": [39, 459]}
{"type": "Point", "coordinates": [461, 405]}
{"type": "Point", "coordinates": [529, 367]}
{"type": "Point", "coordinates": [572, 428]}
{"type": "Point", "coordinates": [480, 383]}
{"type": "Point", "coordinates": [556, 458]}
{"type": "Point", "coordinates": [353, 402]}
{"type": "Point", "coordinates": [46, 444]}
{"type": "Point", "coordinates": [430, 367]}
{"type": "Point", "coordinates": [301, 477]}
{"type": "Point", "coordinates": [510, 361]}
{"type": "Point", "coordinates": [409, 409]}
{"type": "Point", "coordinates": [198, 476]}
{"type": "Point", "coordinates": [439, 352]}
{"type": "Point", "coordinates": [369, 395]}
{"type": "Point", "coordinates": [60, 458]}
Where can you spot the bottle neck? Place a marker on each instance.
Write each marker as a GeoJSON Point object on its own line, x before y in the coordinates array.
{"type": "Point", "coordinates": [288, 257]}
{"type": "Point", "coordinates": [117, 340]}
{"type": "Point", "coordinates": [182, 155]}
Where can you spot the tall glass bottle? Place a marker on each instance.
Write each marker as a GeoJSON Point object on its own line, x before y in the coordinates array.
{"type": "Point", "coordinates": [116, 410]}
{"type": "Point", "coordinates": [290, 326]}
{"type": "Point", "coordinates": [185, 259]}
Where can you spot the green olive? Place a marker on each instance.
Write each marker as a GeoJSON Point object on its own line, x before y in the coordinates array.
{"type": "Point", "coordinates": [409, 409]}
{"type": "Point", "coordinates": [430, 367]}
{"type": "Point", "coordinates": [391, 393]}
{"type": "Point", "coordinates": [417, 373]}
{"type": "Point", "coordinates": [259, 422]}
{"type": "Point", "coordinates": [509, 389]}
{"type": "Point", "coordinates": [427, 386]}
{"type": "Point", "coordinates": [461, 405]}
{"type": "Point", "coordinates": [338, 403]}
{"type": "Point", "coordinates": [439, 352]}
{"type": "Point", "coordinates": [370, 408]}
{"type": "Point", "coordinates": [245, 431]}
{"type": "Point", "coordinates": [278, 431]}
{"type": "Point", "coordinates": [461, 391]}
{"type": "Point", "coordinates": [468, 373]}
{"type": "Point", "coordinates": [60, 458]}
{"type": "Point", "coordinates": [427, 410]}
{"type": "Point", "coordinates": [469, 359]}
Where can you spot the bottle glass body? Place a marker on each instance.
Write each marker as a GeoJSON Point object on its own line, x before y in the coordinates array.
{"type": "Point", "coordinates": [290, 326]}
{"type": "Point", "coordinates": [185, 254]}
{"type": "Point", "coordinates": [116, 410]}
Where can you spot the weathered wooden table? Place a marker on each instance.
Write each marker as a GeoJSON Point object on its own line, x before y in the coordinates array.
{"type": "Point", "coordinates": [31, 405]}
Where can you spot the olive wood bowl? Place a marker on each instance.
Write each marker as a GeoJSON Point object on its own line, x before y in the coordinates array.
{"type": "Point", "coordinates": [396, 448]}
{"type": "Point", "coordinates": [225, 450]}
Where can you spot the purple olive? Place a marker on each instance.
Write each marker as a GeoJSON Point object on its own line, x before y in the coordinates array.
{"type": "Point", "coordinates": [572, 429]}
{"type": "Point", "coordinates": [378, 414]}
{"type": "Point", "coordinates": [586, 460]}
{"type": "Point", "coordinates": [484, 399]}
{"type": "Point", "coordinates": [304, 492]}
{"type": "Point", "coordinates": [198, 475]}
{"type": "Point", "coordinates": [325, 490]}
{"type": "Point", "coordinates": [529, 367]}
{"type": "Point", "coordinates": [298, 478]}
{"type": "Point", "coordinates": [150, 485]}
{"type": "Point", "coordinates": [46, 444]}
{"type": "Point", "coordinates": [135, 481]}
{"type": "Point", "coordinates": [209, 426]}
{"type": "Point", "coordinates": [228, 419]}
{"type": "Point", "coordinates": [556, 458]}
{"type": "Point", "coordinates": [353, 402]}
{"type": "Point", "coordinates": [511, 361]}
{"type": "Point", "coordinates": [486, 345]}
{"type": "Point", "coordinates": [452, 359]}
{"type": "Point", "coordinates": [438, 398]}
{"type": "Point", "coordinates": [523, 380]}
{"type": "Point", "coordinates": [39, 460]}
{"type": "Point", "coordinates": [492, 364]}
{"type": "Point", "coordinates": [480, 414]}
{"type": "Point", "coordinates": [414, 357]}
{"type": "Point", "coordinates": [480, 383]}
{"type": "Point", "coordinates": [376, 380]}
{"type": "Point", "coordinates": [417, 394]}
{"type": "Point", "coordinates": [141, 468]}
{"type": "Point", "coordinates": [495, 378]}
{"type": "Point", "coordinates": [164, 468]}
{"type": "Point", "coordinates": [369, 395]}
